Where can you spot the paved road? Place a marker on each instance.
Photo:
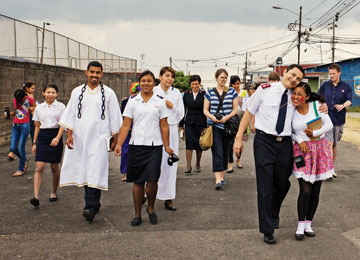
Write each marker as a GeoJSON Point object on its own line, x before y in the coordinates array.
{"type": "Point", "coordinates": [209, 224]}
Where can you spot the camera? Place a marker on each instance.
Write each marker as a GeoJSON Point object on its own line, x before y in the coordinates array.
{"type": "Point", "coordinates": [299, 161]}
{"type": "Point", "coordinates": [218, 116]}
{"type": "Point", "coordinates": [172, 159]}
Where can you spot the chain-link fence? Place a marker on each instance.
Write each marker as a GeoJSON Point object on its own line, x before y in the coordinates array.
{"type": "Point", "coordinates": [26, 42]}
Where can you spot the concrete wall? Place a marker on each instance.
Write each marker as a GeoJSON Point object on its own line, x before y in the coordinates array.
{"type": "Point", "coordinates": [14, 73]}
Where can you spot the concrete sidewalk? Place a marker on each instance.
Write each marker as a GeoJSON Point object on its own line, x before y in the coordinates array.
{"type": "Point", "coordinates": [209, 224]}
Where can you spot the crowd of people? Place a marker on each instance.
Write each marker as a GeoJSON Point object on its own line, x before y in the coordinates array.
{"type": "Point", "coordinates": [296, 132]}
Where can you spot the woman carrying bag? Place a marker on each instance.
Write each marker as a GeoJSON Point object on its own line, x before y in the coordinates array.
{"type": "Point", "coordinates": [220, 105]}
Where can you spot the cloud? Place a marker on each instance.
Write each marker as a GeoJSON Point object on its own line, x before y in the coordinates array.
{"type": "Point", "coordinates": [247, 12]}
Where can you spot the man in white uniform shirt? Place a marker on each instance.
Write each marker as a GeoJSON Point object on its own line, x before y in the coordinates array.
{"type": "Point", "coordinates": [91, 117]}
{"type": "Point", "coordinates": [175, 106]}
{"type": "Point", "coordinates": [273, 151]}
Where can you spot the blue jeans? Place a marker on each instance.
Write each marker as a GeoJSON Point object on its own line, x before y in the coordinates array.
{"type": "Point", "coordinates": [19, 135]}
{"type": "Point", "coordinates": [220, 149]}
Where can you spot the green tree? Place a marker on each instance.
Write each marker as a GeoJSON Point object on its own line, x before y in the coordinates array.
{"type": "Point", "coordinates": [181, 81]}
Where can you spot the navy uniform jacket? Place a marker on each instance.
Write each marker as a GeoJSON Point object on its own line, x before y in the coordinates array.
{"type": "Point", "coordinates": [194, 114]}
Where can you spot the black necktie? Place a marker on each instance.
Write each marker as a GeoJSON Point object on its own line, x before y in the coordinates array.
{"type": "Point", "coordinates": [282, 113]}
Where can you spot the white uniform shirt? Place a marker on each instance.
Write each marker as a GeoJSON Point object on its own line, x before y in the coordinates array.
{"type": "Point", "coordinates": [49, 115]}
{"type": "Point", "coordinates": [146, 119]}
{"type": "Point", "coordinates": [265, 104]}
{"type": "Point", "coordinates": [174, 96]}
{"type": "Point", "coordinates": [299, 124]}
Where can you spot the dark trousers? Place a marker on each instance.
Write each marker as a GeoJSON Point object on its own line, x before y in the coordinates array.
{"type": "Point", "coordinates": [273, 165]}
{"type": "Point", "coordinates": [220, 149]}
{"type": "Point", "coordinates": [92, 199]}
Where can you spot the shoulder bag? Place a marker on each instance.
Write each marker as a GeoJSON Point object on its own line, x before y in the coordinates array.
{"type": "Point", "coordinates": [206, 136]}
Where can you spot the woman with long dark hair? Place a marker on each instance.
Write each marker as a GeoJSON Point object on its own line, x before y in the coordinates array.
{"type": "Point", "coordinates": [312, 153]}
{"type": "Point", "coordinates": [21, 128]}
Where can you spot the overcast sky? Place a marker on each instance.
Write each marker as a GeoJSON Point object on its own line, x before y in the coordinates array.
{"type": "Point", "coordinates": [187, 29]}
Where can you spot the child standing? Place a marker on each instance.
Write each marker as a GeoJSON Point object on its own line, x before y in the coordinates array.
{"type": "Point", "coordinates": [48, 145]}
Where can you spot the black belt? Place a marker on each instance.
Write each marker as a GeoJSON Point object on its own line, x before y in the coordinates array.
{"type": "Point", "coordinates": [276, 138]}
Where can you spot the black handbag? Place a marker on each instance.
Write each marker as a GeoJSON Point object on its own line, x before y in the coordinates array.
{"type": "Point", "coordinates": [232, 125]}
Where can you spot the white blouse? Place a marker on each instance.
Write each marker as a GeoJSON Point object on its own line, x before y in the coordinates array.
{"type": "Point", "coordinates": [146, 119]}
{"type": "Point", "coordinates": [299, 124]}
{"type": "Point", "coordinates": [49, 115]}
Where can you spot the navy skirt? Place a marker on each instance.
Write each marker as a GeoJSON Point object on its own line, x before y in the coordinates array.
{"type": "Point", "coordinates": [144, 163]}
{"type": "Point", "coordinates": [192, 136]}
{"type": "Point", "coordinates": [45, 152]}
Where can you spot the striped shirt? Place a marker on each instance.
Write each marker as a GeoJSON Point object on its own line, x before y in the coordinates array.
{"type": "Point", "coordinates": [226, 107]}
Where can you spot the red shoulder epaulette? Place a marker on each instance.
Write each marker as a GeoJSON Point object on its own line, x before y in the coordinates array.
{"type": "Point", "coordinates": [265, 85]}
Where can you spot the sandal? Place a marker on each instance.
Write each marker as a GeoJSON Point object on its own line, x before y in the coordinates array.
{"type": "Point", "coordinates": [18, 173]}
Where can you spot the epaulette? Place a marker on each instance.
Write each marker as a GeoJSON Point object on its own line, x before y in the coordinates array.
{"type": "Point", "coordinates": [134, 96]}
{"type": "Point", "coordinates": [160, 96]}
{"type": "Point", "coordinates": [265, 85]}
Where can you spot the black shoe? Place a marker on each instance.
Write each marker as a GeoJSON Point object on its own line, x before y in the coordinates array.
{"type": "Point", "coordinates": [218, 186]}
{"type": "Point", "coordinates": [35, 202]}
{"type": "Point", "coordinates": [198, 170]}
{"type": "Point", "coordinates": [230, 171]}
{"type": "Point", "coordinates": [188, 172]}
{"type": "Point", "coordinates": [299, 236]}
{"type": "Point", "coordinates": [169, 207]}
{"type": "Point", "coordinates": [152, 217]}
{"type": "Point", "coordinates": [53, 199]}
{"type": "Point", "coordinates": [310, 234]}
{"type": "Point", "coordinates": [276, 223]}
{"type": "Point", "coordinates": [88, 215]}
{"type": "Point", "coordinates": [136, 222]}
{"type": "Point", "coordinates": [269, 239]}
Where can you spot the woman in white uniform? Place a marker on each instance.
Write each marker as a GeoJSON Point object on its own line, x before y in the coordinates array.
{"type": "Point", "coordinates": [175, 107]}
{"type": "Point", "coordinates": [148, 114]}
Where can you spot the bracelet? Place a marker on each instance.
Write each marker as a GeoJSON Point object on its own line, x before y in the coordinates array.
{"type": "Point", "coordinates": [34, 143]}
{"type": "Point", "coordinates": [167, 147]}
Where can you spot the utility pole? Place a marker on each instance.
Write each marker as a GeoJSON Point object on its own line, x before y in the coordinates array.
{"type": "Point", "coordinates": [333, 38]}
{"type": "Point", "coordinates": [170, 61]}
{"type": "Point", "coordinates": [333, 43]}
{"type": "Point", "coordinates": [245, 70]}
{"type": "Point", "coordinates": [43, 40]}
{"type": "Point", "coordinates": [299, 35]}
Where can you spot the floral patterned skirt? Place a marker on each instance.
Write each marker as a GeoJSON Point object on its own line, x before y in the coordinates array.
{"type": "Point", "coordinates": [319, 163]}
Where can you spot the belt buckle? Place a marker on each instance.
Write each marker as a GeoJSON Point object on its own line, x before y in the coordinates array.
{"type": "Point", "coordinates": [279, 138]}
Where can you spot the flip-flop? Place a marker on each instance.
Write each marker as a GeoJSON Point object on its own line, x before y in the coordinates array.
{"type": "Point", "coordinates": [11, 158]}
{"type": "Point", "coordinates": [18, 173]}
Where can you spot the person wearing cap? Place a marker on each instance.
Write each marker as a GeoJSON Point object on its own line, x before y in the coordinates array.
{"type": "Point", "coordinates": [273, 150]}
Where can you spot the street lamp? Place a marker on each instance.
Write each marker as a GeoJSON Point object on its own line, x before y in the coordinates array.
{"type": "Point", "coordinates": [42, 45]}
{"type": "Point", "coordinates": [299, 32]}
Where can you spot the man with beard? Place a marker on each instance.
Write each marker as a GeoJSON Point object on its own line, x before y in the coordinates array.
{"type": "Point", "coordinates": [273, 150]}
{"type": "Point", "coordinates": [91, 117]}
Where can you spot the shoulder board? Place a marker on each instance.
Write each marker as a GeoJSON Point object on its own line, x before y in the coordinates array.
{"type": "Point", "coordinates": [133, 96]}
{"type": "Point", "coordinates": [160, 96]}
{"type": "Point", "coordinates": [265, 85]}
